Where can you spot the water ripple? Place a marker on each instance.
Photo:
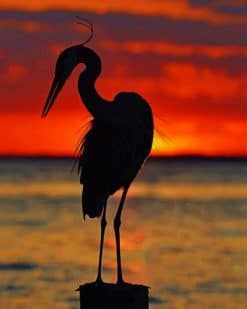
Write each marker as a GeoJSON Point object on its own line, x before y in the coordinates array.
{"type": "Point", "coordinates": [18, 266]}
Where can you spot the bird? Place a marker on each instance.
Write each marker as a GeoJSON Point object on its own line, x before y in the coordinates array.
{"type": "Point", "coordinates": [115, 147]}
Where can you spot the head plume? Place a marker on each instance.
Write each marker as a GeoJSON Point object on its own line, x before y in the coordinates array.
{"type": "Point", "coordinates": [86, 23]}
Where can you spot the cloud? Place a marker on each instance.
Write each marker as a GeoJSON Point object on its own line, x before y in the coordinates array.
{"type": "Point", "coordinates": [187, 81]}
{"type": "Point", "coordinates": [168, 48]}
{"type": "Point", "coordinates": [15, 72]}
{"type": "Point", "coordinates": [153, 39]}
{"type": "Point", "coordinates": [28, 26]}
{"type": "Point", "coordinates": [121, 27]}
{"type": "Point", "coordinates": [237, 7]}
{"type": "Point", "coordinates": [176, 9]}
{"type": "Point", "coordinates": [2, 54]}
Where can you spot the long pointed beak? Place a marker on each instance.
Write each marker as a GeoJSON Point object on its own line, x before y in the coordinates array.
{"type": "Point", "coordinates": [54, 90]}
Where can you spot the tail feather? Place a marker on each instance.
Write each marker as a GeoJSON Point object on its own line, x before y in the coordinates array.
{"type": "Point", "coordinates": [92, 203]}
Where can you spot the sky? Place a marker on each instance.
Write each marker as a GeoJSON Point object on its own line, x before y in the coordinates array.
{"type": "Point", "coordinates": [187, 58]}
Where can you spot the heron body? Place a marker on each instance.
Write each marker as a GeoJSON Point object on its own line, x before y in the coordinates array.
{"type": "Point", "coordinates": [111, 155]}
{"type": "Point", "coordinates": [116, 145]}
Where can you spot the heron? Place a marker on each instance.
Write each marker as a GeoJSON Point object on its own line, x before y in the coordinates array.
{"type": "Point", "coordinates": [116, 145]}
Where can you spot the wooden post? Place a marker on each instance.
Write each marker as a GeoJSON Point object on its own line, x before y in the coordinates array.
{"type": "Point", "coordinates": [113, 296]}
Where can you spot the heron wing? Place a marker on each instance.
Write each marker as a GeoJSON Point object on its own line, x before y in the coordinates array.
{"type": "Point", "coordinates": [106, 163]}
{"type": "Point", "coordinates": [110, 157]}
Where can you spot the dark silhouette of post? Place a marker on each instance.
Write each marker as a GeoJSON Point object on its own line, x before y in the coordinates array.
{"type": "Point", "coordinates": [113, 296]}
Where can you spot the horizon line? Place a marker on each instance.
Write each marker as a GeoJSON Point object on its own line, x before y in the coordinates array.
{"type": "Point", "coordinates": [158, 157]}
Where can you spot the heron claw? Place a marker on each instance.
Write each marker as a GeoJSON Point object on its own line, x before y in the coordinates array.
{"type": "Point", "coordinates": [121, 282]}
{"type": "Point", "coordinates": [99, 281]}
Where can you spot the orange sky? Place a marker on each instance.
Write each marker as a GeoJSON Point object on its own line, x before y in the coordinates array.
{"type": "Point", "coordinates": [186, 57]}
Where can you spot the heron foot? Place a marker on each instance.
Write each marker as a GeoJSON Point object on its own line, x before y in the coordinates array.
{"type": "Point", "coordinates": [122, 282]}
{"type": "Point", "coordinates": [99, 281]}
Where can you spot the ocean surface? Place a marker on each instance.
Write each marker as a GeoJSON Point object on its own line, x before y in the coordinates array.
{"type": "Point", "coordinates": [184, 234]}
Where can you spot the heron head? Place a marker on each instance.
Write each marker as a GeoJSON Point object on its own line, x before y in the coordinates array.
{"type": "Point", "coordinates": [65, 64]}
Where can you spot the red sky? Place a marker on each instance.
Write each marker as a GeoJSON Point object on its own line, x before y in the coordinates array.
{"type": "Point", "coordinates": [186, 57]}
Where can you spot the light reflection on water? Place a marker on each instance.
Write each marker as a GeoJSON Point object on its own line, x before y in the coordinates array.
{"type": "Point", "coordinates": [183, 234]}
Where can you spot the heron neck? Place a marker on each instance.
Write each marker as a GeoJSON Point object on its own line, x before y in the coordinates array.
{"type": "Point", "coordinates": [94, 103]}
{"type": "Point", "coordinates": [87, 89]}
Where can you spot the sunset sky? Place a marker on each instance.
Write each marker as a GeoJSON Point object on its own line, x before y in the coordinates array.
{"type": "Point", "coordinates": [186, 57]}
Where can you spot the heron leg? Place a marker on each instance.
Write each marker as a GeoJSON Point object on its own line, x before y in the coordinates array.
{"type": "Point", "coordinates": [103, 226]}
{"type": "Point", "coordinates": [117, 223]}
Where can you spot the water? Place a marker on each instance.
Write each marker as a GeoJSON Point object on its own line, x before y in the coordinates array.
{"type": "Point", "coordinates": [183, 234]}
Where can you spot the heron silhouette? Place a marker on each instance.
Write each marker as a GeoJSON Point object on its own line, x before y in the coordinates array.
{"type": "Point", "coordinates": [116, 145]}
